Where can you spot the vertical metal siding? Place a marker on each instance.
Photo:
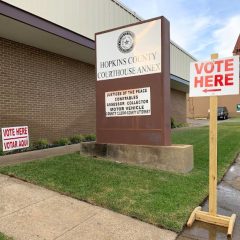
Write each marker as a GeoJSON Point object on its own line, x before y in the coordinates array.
{"type": "Point", "coordinates": [180, 62]}
{"type": "Point", "coordinates": [82, 16]}
{"type": "Point", "coordinates": [89, 16]}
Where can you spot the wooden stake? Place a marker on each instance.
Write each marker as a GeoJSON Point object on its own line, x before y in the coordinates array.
{"type": "Point", "coordinates": [217, 220]}
{"type": "Point", "coordinates": [211, 216]}
{"type": "Point", "coordinates": [193, 216]}
{"type": "Point", "coordinates": [213, 153]}
{"type": "Point", "coordinates": [231, 225]}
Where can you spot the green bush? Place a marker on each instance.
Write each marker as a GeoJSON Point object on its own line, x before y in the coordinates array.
{"type": "Point", "coordinates": [76, 138]}
{"type": "Point", "coordinates": [62, 142]}
{"type": "Point", "coordinates": [181, 124]}
{"type": "Point", "coordinates": [1, 152]}
{"type": "Point", "coordinates": [89, 137]}
{"type": "Point", "coordinates": [41, 144]}
{"type": "Point", "coordinates": [173, 123]}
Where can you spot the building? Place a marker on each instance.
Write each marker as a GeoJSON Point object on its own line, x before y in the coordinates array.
{"type": "Point", "coordinates": [236, 50]}
{"type": "Point", "coordinates": [198, 106]}
{"type": "Point", "coordinates": [47, 64]}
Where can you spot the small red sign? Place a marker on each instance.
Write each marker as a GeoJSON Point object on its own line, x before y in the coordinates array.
{"type": "Point", "coordinates": [15, 138]}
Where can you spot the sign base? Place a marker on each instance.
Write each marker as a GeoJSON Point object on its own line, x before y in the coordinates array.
{"type": "Point", "coordinates": [219, 220]}
{"type": "Point", "coordinates": [174, 158]}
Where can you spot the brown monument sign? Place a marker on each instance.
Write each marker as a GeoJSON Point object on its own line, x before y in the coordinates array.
{"type": "Point", "coordinates": [133, 84]}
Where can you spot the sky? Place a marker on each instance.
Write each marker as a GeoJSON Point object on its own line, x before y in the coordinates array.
{"type": "Point", "coordinates": [201, 27]}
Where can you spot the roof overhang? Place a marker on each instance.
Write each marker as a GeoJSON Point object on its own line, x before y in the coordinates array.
{"type": "Point", "coordinates": [24, 27]}
{"type": "Point", "coordinates": [179, 84]}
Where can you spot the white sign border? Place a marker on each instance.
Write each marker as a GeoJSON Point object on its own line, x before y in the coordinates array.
{"type": "Point", "coordinates": [4, 139]}
{"type": "Point", "coordinates": [197, 93]}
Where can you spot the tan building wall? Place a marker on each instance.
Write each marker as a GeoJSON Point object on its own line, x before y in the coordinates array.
{"type": "Point", "coordinates": [198, 107]}
{"type": "Point", "coordinates": [231, 103]}
{"type": "Point", "coordinates": [178, 106]}
{"type": "Point", "coordinates": [52, 94]}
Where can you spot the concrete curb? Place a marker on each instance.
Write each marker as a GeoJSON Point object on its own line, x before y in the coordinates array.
{"type": "Point", "coordinates": [38, 154]}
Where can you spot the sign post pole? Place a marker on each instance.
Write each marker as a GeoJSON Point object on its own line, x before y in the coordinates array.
{"type": "Point", "coordinates": [213, 152]}
{"type": "Point", "coordinates": [212, 216]}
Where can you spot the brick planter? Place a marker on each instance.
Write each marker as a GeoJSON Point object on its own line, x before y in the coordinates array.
{"type": "Point", "coordinates": [38, 154]}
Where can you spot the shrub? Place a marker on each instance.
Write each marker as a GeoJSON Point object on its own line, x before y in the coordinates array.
{"type": "Point", "coordinates": [62, 142]}
{"type": "Point", "coordinates": [89, 137]}
{"type": "Point", "coordinates": [76, 138]}
{"type": "Point", "coordinates": [1, 152]}
{"type": "Point", "coordinates": [41, 143]}
{"type": "Point", "coordinates": [173, 123]}
{"type": "Point", "coordinates": [181, 124]}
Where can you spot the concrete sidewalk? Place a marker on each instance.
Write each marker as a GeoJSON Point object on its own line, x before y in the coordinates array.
{"type": "Point", "coordinates": [29, 212]}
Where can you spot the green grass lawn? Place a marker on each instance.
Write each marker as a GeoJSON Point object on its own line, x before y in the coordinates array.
{"type": "Point", "coordinates": [158, 197]}
{"type": "Point", "coordinates": [3, 237]}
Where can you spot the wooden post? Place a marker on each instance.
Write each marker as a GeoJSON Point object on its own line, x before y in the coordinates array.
{"type": "Point", "coordinates": [212, 216]}
{"type": "Point", "coordinates": [213, 153]}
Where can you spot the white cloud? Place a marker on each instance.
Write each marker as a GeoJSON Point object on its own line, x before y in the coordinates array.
{"type": "Point", "coordinates": [225, 37]}
{"type": "Point", "coordinates": [187, 31]}
{"type": "Point", "coordinates": [201, 26]}
{"type": "Point", "coordinates": [201, 47]}
{"type": "Point", "coordinates": [186, 24]}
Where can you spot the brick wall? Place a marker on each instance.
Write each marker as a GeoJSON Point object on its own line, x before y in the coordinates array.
{"type": "Point", "coordinates": [52, 94]}
{"type": "Point", "coordinates": [178, 106]}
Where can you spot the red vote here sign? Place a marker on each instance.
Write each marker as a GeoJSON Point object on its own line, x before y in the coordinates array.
{"type": "Point", "coordinates": [15, 138]}
{"type": "Point", "coordinates": [214, 77]}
